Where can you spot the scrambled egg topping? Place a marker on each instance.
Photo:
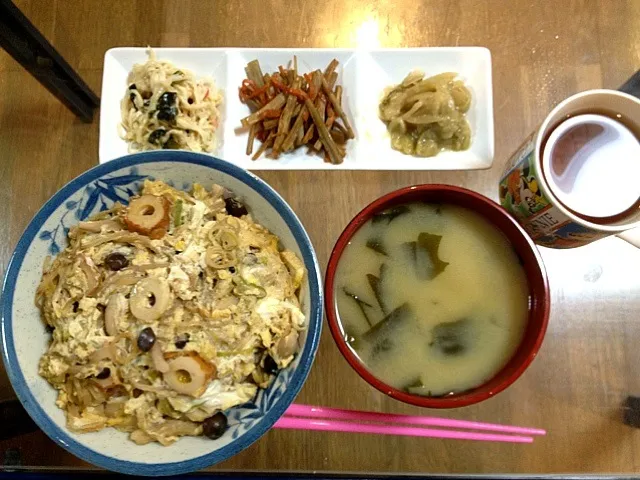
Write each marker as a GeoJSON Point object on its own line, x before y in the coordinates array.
{"type": "Point", "coordinates": [167, 311]}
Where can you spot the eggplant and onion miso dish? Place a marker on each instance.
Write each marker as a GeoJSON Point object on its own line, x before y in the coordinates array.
{"type": "Point", "coordinates": [425, 116]}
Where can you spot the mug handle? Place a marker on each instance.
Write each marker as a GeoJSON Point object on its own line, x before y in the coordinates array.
{"type": "Point", "coordinates": [632, 87]}
{"type": "Point", "coordinates": [632, 236]}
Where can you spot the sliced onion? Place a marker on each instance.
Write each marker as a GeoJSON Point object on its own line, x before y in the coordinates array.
{"type": "Point", "coordinates": [287, 345]}
{"type": "Point", "coordinates": [73, 369]}
{"type": "Point", "coordinates": [115, 407]}
{"type": "Point", "coordinates": [225, 303]}
{"type": "Point", "coordinates": [83, 395]}
{"type": "Point", "coordinates": [248, 289]}
{"type": "Point", "coordinates": [90, 273]}
{"type": "Point", "coordinates": [140, 303]}
{"type": "Point", "coordinates": [178, 428]}
{"type": "Point", "coordinates": [217, 258]}
{"type": "Point", "coordinates": [145, 387]}
{"type": "Point", "coordinates": [98, 226]}
{"type": "Point", "coordinates": [295, 267]}
{"type": "Point", "coordinates": [106, 352]}
{"type": "Point", "coordinates": [98, 394]}
{"type": "Point", "coordinates": [157, 356]}
{"type": "Point", "coordinates": [147, 266]}
{"type": "Point", "coordinates": [119, 280]}
{"type": "Point", "coordinates": [121, 237]}
{"type": "Point", "coordinates": [105, 383]}
{"type": "Point", "coordinates": [123, 357]}
{"type": "Point", "coordinates": [140, 438]}
{"type": "Point", "coordinates": [116, 308]}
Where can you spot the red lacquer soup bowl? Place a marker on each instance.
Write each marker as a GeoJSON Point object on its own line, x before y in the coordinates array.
{"type": "Point", "coordinates": [526, 251]}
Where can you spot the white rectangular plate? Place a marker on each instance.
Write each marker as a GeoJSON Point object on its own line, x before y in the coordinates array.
{"type": "Point", "coordinates": [364, 74]}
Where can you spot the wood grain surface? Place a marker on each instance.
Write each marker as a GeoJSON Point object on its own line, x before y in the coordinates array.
{"type": "Point", "coordinates": [542, 51]}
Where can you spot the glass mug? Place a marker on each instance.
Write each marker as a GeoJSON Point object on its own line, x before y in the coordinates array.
{"type": "Point", "coordinates": [565, 200]}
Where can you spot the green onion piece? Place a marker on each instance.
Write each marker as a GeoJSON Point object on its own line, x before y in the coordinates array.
{"type": "Point", "coordinates": [177, 213]}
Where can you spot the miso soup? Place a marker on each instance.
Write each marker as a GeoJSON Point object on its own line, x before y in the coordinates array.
{"type": "Point", "coordinates": [431, 298]}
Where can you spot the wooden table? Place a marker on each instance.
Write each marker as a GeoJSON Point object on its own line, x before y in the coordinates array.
{"type": "Point", "coordinates": [542, 52]}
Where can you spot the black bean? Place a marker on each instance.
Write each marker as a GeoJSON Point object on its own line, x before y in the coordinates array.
{"type": "Point", "coordinates": [270, 365]}
{"type": "Point", "coordinates": [116, 261]}
{"type": "Point", "coordinates": [156, 136]}
{"type": "Point", "coordinates": [167, 114]}
{"type": "Point", "coordinates": [182, 340]}
{"type": "Point", "coordinates": [167, 100]}
{"type": "Point", "coordinates": [75, 306]}
{"type": "Point", "coordinates": [104, 373]}
{"type": "Point", "coordinates": [235, 208]}
{"type": "Point", "coordinates": [215, 426]}
{"type": "Point", "coordinates": [232, 269]}
{"type": "Point", "coordinates": [132, 96]}
{"type": "Point", "coordinates": [167, 109]}
{"type": "Point", "coordinates": [146, 339]}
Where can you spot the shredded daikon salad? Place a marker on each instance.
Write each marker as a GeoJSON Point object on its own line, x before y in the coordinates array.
{"type": "Point", "coordinates": [167, 107]}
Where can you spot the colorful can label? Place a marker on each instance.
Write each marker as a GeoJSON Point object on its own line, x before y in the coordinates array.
{"type": "Point", "coordinates": [520, 195]}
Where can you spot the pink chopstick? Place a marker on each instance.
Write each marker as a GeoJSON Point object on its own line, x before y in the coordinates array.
{"type": "Point", "coordinates": [339, 426]}
{"type": "Point", "coordinates": [298, 410]}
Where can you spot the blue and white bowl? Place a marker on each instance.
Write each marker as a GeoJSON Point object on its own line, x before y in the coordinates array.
{"type": "Point", "coordinates": [24, 338]}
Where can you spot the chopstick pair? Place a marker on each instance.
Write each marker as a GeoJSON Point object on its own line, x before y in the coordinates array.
{"type": "Point", "coordinates": [309, 417]}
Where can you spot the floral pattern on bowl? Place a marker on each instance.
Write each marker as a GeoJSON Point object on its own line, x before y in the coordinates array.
{"type": "Point", "coordinates": [24, 341]}
{"type": "Point", "coordinates": [98, 196]}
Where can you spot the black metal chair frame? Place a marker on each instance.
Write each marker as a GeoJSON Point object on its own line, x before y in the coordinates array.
{"type": "Point", "coordinates": [22, 40]}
